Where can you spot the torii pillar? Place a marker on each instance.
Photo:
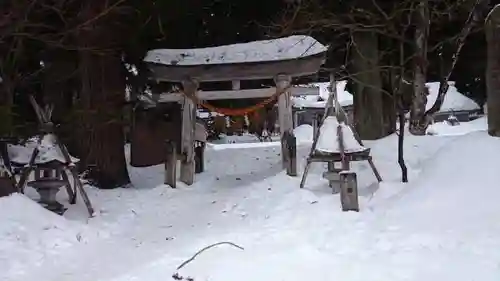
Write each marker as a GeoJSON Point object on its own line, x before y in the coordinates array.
{"type": "Point", "coordinates": [288, 140]}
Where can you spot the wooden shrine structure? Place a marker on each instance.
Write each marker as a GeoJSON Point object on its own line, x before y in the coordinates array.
{"type": "Point", "coordinates": [48, 160]}
{"type": "Point", "coordinates": [342, 145]}
{"type": "Point", "coordinates": [280, 60]}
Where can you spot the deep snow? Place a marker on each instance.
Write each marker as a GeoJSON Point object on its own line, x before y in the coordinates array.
{"type": "Point", "coordinates": [440, 226]}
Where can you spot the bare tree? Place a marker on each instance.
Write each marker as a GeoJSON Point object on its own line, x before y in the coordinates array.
{"type": "Point", "coordinates": [422, 25]}
{"type": "Point", "coordinates": [403, 28]}
{"type": "Point", "coordinates": [493, 71]}
{"type": "Point", "coordinates": [375, 24]}
{"type": "Point", "coordinates": [92, 36]}
{"type": "Point", "coordinates": [420, 119]}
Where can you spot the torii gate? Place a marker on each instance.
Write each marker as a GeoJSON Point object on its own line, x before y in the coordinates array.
{"type": "Point", "coordinates": [280, 59]}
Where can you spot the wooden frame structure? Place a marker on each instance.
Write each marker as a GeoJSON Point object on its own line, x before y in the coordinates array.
{"type": "Point", "coordinates": [59, 170]}
{"type": "Point", "coordinates": [346, 179]}
{"type": "Point", "coordinates": [191, 75]}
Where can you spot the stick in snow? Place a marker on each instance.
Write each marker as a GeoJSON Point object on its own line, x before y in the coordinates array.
{"type": "Point", "coordinates": [176, 275]}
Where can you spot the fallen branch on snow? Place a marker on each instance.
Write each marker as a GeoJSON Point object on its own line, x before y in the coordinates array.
{"type": "Point", "coordinates": [176, 275]}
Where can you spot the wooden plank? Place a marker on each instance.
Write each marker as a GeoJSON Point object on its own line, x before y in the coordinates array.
{"type": "Point", "coordinates": [340, 139]}
{"type": "Point", "coordinates": [333, 181]}
{"type": "Point", "coordinates": [236, 84]}
{"type": "Point", "coordinates": [188, 132]}
{"type": "Point", "coordinates": [349, 191]}
{"type": "Point", "coordinates": [303, 66]}
{"type": "Point", "coordinates": [171, 164]}
{"type": "Point", "coordinates": [83, 193]}
{"type": "Point", "coordinates": [239, 94]}
{"type": "Point", "coordinates": [74, 173]}
{"type": "Point", "coordinates": [27, 170]}
{"type": "Point", "coordinates": [337, 158]}
{"type": "Point", "coordinates": [69, 189]}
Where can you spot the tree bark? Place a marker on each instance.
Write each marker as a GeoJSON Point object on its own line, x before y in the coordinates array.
{"type": "Point", "coordinates": [102, 98]}
{"type": "Point", "coordinates": [368, 99]}
{"type": "Point", "coordinates": [421, 121]}
{"type": "Point", "coordinates": [475, 15]}
{"type": "Point", "coordinates": [418, 122]}
{"type": "Point", "coordinates": [493, 71]}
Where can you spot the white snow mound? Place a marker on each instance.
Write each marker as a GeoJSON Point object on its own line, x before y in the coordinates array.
{"type": "Point", "coordinates": [464, 175]}
{"type": "Point", "coordinates": [304, 133]}
{"type": "Point", "coordinates": [453, 101]}
{"type": "Point", "coordinates": [445, 129]}
{"type": "Point", "coordinates": [28, 233]}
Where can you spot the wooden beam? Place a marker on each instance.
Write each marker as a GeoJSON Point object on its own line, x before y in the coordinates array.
{"type": "Point", "coordinates": [334, 110]}
{"type": "Point", "coordinates": [349, 191]}
{"type": "Point", "coordinates": [285, 120]}
{"type": "Point", "coordinates": [170, 164]}
{"type": "Point", "coordinates": [239, 94]}
{"type": "Point", "coordinates": [284, 104]}
{"type": "Point", "coordinates": [187, 135]}
{"type": "Point", "coordinates": [298, 67]}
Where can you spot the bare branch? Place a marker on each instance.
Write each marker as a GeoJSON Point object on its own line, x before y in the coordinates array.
{"type": "Point", "coordinates": [176, 275]}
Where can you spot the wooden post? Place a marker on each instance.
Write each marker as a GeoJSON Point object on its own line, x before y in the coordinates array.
{"type": "Point", "coordinates": [199, 160]}
{"type": "Point", "coordinates": [285, 114]}
{"type": "Point", "coordinates": [295, 118]}
{"type": "Point", "coordinates": [349, 191]}
{"type": "Point", "coordinates": [332, 103]}
{"type": "Point", "coordinates": [171, 164]}
{"type": "Point", "coordinates": [72, 192]}
{"type": "Point", "coordinates": [333, 177]}
{"type": "Point", "coordinates": [188, 128]}
{"type": "Point", "coordinates": [72, 168]}
{"type": "Point", "coordinates": [315, 125]}
{"type": "Point", "coordinates": [345, 158]}
{"type": "Point", "coordinates": [333, 110]}
{"type": "Point", "coordinates": [289, 142]}
{"type": "Point", "coordinates": [236, 85]}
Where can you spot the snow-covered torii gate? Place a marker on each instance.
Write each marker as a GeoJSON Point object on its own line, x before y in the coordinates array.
{"type": "Point", "coordinates": [280, 59]}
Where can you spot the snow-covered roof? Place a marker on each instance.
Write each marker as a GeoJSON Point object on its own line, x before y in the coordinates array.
{"type": "Point", "coordinates": [48, 151]}
{"type": "Point", "coordinates": [291, 47]}
{"type": "Point", "coordinates": [453, 101]}
{"type": "Point", "coordinates": [344, 97]}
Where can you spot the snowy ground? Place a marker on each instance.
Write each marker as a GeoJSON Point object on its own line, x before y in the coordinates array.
{"type": "Point", "coordinates": [440, 226]}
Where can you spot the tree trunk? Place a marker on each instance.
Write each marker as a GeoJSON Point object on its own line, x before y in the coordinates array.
{"type": "Point", "coordinates": [418, 122]}
{"type": "Point", "coordinates": [368, 99]}
{"type": "Point", "coordinates": [102, 98]}
{"type": "Point", "coordinates": [6, 103]}
{"type": "Point", "coordinates": [493, 71]}
{"type": "Point", "coordinates": [389, 77]}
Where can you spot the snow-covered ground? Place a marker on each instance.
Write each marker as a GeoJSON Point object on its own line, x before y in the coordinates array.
{"type": "Point", "coordinates": [442, 225]}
